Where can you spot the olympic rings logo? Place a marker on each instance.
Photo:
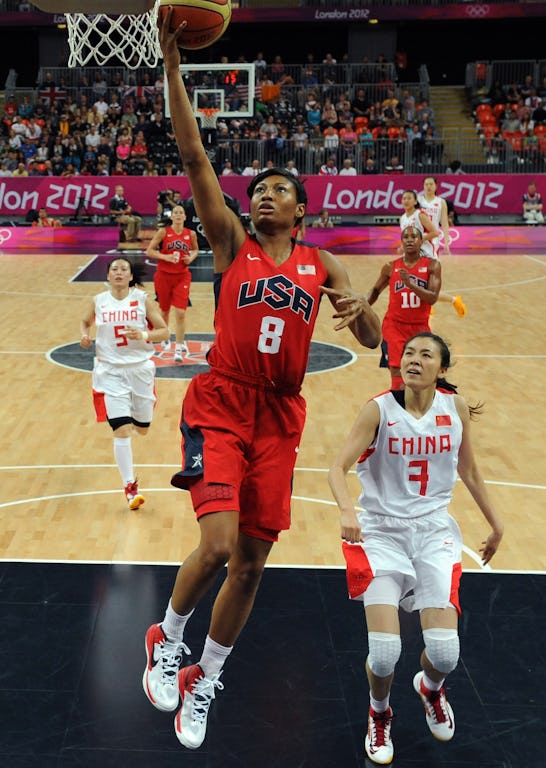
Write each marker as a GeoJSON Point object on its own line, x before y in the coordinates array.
{"type": "Point", "coordinates": [454, 235]}
{"type": "Point", "coordinates": [477, 11]}
{"type": "Point", "coordinates": [5, 235]}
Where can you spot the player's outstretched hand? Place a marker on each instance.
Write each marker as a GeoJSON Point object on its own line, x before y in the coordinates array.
{"type": "Point", "coordinates": [348, 303]}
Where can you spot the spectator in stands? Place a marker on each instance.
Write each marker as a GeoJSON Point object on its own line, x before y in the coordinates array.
{"type": "Point", "coordinates": [348, 168]}
{"type": "Point", "coordinates": [25, 110]}
{"type": "Point", "coordinates": [150, 169]}
{"type": "Point", "coordinates": [329, 168]}
{"type": "Point", "coordinates": [360, 104]}
{"type": "Point", "coordinates": [313, 112]}
{"type": "Point", "coordinates": [394, 166]}
{"type": "Point", "coordinates": [21, 170]}
{"type": "Point", "coordinates": [260, 65]}
{"type": "Point", "coordinates": [291, 168]}
{"type": "Point", "coordinates": [369, 167]}
{"type": "Point", "coordinates": [253, 169]}
{"type": "Point", "coordinates": [139, 152]}
{"type": "Point", "coordinates": [329, 115]}
{"type": "Point", "coordinates": [407, 107]}
{"type": "Point", "coordinates": [323, 221]}
{"type": "Point", "coordinates": [228, 169]}
{"type": "Point", "coordinates": [118, 169]}
{"type": "Point", "coordinates": [123, 146]}
{"type": "Point", "coordinates": [348, 140]}
{"type": "Point", "coordinates": [331, 140]}
{"type": "Point", "coordinates": [532, 205]}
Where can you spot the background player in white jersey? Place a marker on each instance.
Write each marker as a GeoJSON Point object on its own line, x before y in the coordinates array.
{"type": "Point", "coordinates": [127, 321]}
{"type": "Point", "coordinates": [435, 208]}
{"type": "Point", "coordinates": [414, 216]}
{"type": "Point", "coordinates": [409, 446]}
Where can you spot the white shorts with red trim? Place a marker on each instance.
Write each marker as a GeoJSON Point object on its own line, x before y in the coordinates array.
{"type": "Point", "coordinates": [425, 551]}
{"type": "Point", "coordinates": [124, 390]}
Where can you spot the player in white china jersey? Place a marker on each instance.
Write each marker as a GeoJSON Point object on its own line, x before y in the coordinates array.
{"type": "Point", "coordinates": [409, 446]}
{"type": "Point", "coordinates": [127, 323]}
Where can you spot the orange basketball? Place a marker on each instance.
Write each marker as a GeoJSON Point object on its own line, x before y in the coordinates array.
{"type": "Point", "coordinates": [207, 20]}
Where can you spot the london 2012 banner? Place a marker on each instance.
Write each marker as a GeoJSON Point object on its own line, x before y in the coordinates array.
{"type": "Point", "coordinates": [345, 196]}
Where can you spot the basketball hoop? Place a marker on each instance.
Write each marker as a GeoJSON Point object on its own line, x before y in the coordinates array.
{"type": "Point", "coordinates": [209, 116]}
{"type": "Point", "coordinates": [128, 32]}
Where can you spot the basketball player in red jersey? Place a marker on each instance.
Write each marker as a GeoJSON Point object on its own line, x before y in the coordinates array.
{"type": "Point", "coordinates": [175, 248]}
{"type": "Point", "coordinates": [242, 421]}
{"type": "Point", "coordinates": [414, 284]}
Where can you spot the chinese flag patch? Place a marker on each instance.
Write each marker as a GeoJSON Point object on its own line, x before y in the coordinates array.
{"type": "Point", "coordinates": [133, 303]}
{"type": "Point", "coordinates": [443, 420]}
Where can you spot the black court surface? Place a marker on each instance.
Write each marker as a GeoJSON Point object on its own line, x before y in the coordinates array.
{"type": "Point", "coordinates": [72, 646]}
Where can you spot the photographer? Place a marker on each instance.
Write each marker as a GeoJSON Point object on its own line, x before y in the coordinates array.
{"type": "Point", "coordinates": [167, 199]}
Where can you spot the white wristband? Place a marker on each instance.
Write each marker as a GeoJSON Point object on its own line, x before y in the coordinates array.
{"type": "Point", "coordinates": [145, 335]}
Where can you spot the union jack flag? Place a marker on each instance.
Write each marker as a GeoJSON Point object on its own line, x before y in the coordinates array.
{"type": "Point", "coordinates": [52, 93]}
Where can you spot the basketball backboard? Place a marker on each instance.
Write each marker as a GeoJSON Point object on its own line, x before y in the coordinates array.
{"type": "Point", "coordinates": [112, 7]}
{"type": "Point", "coordinates": [229, 88]}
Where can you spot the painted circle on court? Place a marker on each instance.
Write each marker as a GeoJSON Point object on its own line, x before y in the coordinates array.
{"type": "Point", "coordinates": [322, 357]}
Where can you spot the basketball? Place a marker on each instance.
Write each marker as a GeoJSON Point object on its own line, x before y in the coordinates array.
{"type": "Point", "coordinates": [207, 20]}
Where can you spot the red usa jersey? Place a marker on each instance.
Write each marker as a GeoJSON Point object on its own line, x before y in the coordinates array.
{"type": "Point", "coordinates": [265, 313]}
{"type": "Point", "coordinates": [404, 305]}
{"type": "Point", "coordinates": [172, 242]}
{"type": "Point", "coordinates": [111, 318]}
{"type": "Point", "coordinates": [410, 468]}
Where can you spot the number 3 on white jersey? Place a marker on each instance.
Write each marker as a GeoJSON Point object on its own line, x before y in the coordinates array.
{"type": "Point", "coordinates": [271, 331]}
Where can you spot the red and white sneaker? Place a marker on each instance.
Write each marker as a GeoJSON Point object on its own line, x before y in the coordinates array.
{"type": "Point", "coordinates": [378, 743]}
{"type": "Point", "coordinates": [197, 693]}
{"type": "Point", "coordinates": [134, 498]}
{"type": "Point", "coordinates": [440, 718]}
{"type": "Point", "coordinates": [163, 660]}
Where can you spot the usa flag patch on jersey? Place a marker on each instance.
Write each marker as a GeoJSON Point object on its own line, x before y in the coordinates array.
{"type": "Point", "coordinates": [307, 269]}
{"type": "Point", "coordinates": [444, 420]}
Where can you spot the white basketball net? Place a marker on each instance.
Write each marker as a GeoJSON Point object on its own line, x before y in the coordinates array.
{"type": "Point", "coordinates": [99, 38]}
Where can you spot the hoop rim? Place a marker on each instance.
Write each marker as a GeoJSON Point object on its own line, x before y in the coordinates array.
{"type": "Point", "coordinates": [208, 111]}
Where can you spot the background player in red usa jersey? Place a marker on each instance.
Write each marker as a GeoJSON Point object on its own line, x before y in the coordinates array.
{"type": "Point", "coordinates": [175, 247]}
{"type": "Point", "coordinates": [409, 446]}
{"type": "Point", "coordinates": [414, 284]}
{"type": "Point", "coordinates": [241, 421]}
{"type": "Point", "coordinates": [126, 321]}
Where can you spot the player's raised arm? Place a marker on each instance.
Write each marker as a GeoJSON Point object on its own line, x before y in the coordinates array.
{"type": "Point", "coordinates": [224, 231]}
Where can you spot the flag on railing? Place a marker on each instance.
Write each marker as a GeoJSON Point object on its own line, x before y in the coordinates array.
{"type": "Point", "coordinates": [52, 93]}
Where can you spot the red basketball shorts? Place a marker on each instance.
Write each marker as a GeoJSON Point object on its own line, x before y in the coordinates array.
{"type": "Point", "coordinates": [172, 290]}
{"type": "Point", "coordinates": [245, 437]}
{"type": "Point", "coordinates": [396, 334]}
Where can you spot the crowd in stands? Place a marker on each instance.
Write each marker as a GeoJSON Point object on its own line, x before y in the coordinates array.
{"type": "Point", "coordinates": [512, 119]}
{"type": "Point", "coordinates": [313, 126]}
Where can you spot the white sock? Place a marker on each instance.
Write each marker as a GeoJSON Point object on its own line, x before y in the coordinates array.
{"type": "Point", "coordinates": [431, 684]}
{"type": "Point", "coordinates": [213, 658]}
{"type": "Point", "coordinates": [124, 459]}
{"type": "Point", "coordinates": [173, 624]}
{"type": "Point", "coordinates": [379, 705]}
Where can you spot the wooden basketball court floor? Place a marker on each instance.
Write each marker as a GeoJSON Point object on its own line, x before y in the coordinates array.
{"type": "Point", "coordinates": [81, 577]}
